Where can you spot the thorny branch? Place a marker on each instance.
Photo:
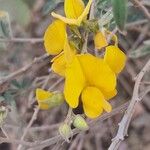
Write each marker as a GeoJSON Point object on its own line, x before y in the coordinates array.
{"type": "Point", "coordinates": [58, 138]}
{"type": "Point", "coordinates": [51, 141]}
{"type": "Point", "coordinates": [124, 124]}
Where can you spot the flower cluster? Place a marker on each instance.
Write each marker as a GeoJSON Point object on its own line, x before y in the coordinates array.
{"type": "Point", "coordinates": [89, 79]}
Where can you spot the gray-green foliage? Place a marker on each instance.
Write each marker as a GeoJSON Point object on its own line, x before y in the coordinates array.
{"type": "Point", "coordinates": [120, 12]}
{"type": "Point", "coordinates": [5, 28]}
{"type": "Point", "coordinates": [17, 9]}
{"type": "Point", "coordinates": [141, 51]}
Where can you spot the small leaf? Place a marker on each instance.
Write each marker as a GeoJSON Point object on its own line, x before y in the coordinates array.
{"type": "Point", "coordinates": [5, 28]}
{"type": "Point", "coordinates": [120, 12]}
{"type": "Point", "coordinates": [16, 84]}
{"type": "Point", "coordinates": [142, 51]}
{"type": "Point", "coordinates": [26, 82]}
{"type": "Point", "coordinates": [8, 97]}
{"type": "Point", "coordinates": [5, 25]}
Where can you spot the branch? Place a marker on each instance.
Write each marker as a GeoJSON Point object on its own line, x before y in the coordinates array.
{"type": "Point", "coordinates": [142, 8]}
{"type": "Point", "coordinates": [14, 141]}
{"type": "Point", "coordinates": [124, 124]}
{"type": "Point", "coordinates": [58, 138]}
{"type": "Point", "coordinates": [39, 145]}
{"type": "Point", "coordinates": [23, 40]}
{"type": "Point", "coordinates": [34, 116]}
{"type": "Point", "coordinates": [22, 70]}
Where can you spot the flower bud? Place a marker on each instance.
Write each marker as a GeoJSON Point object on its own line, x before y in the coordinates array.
{"type": "Point", "coordinates": [65, 131]}
{"type": "Point", "coordinates": [80, 123]}
{"type": "Point", "coordinates": [100, 40]}
{"type": "Point", "coordinates": [47, 100]}
{"type": "Point", "coordinates": [56, 99]}
{"type": "Point", "coordinates": [3, 114]}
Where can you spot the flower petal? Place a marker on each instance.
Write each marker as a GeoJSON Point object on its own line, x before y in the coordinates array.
{"type": "Point", "coordinates": [69, 52]}
{"type": "Point", "coordinates": [54, 37]}
{"type": "Point", "coordinates": [77, 21]}
{"type": "Point", "coordinates": [85, 12]}
{"type": "Point", "coordinates": [74, 83]}
{"type": "Point", "coordinates": [65, 20]}
{"type": "Point", "coordinates": [42, 96]}
{"type": "Point", "coordinates": [94, 102]}
{"type": "Point", "coordinates": [110, 94]}
{"type": "Point", "coordinates": [59, 64]}
{"type": "Point", "coordinates": [115, 58]}
{"type": "Point", "coordinates": [100, 40]}
{"type": "Point", "coordinates": [73, 8]}
{"type": "Point", "coordinates": [97, 72]}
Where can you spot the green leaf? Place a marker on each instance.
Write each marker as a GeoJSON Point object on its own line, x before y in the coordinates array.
{"type": "Point", "coordinates": [50, 5]}
{"type": "Point", "coordinates": [106, 18]}
{"type": "Point", "coordinates": [1, 98]}
{"type": "Point", "coordinates": [26, 82]}
{"type": "Point", "coordinates": [16, 84]}
{"type": "Point", "coordinates": [8, 97]}
{"type": "Point", "coordinates": [5, 28]}
{"type": "Point", "coordinates": [120, 12]}
{"type": "Point", "coordinates": [17, 9]}
{"type": "Point", "coordinates": [142, 51]}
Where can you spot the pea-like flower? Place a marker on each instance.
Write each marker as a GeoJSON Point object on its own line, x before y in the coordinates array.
{"type": "Point", "coordinates": [75, 12]}
{"type": "Point", "coordinates": [90, 79]}
{"type": "Point", "coordinates": [55, 35]}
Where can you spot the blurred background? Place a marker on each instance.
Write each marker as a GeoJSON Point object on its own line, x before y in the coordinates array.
{"type": "Point", "coordinates": [22, 40]}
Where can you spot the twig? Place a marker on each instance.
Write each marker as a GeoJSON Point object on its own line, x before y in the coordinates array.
{"type": "Point", "coordinates": [124, 124]}
{"type": "Point", "coordinates": [74, 142]}
{"type": "Point", "coordinates": [23, 40]}
{"type": "Point", "coordinates": [23, 69]}
{"type": "Point", "coordinates": [145, 92]}
{"type": "Point", "coordinates": [4, 132]}
{"type": "Point", "coordinates": [140, 37]}
{"type": "Point", "coordinates": [34, 116]}
{"type": "Point", "coordinates": [136, 23]}
{"type": "Point", "coordinates": [51, 141]}
{"type": "Point", "coordinates": [35, 128]}
{"type": "Point", "coordinates": [14, 141]}
{"type": "Point", "coordinates": [58, 138]}
{"type": "Point", "coordinates": [142, 8]}
{"type": "Point", "coordinates": [81, 141]}
{"type": "Point", "coordinates": [55, 84]}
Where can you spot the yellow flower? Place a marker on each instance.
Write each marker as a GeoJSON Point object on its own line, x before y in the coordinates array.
{"type": "Point", "coordinates": [100, 40]}
{"type": "Point", "coordinates": [93, 80]}
{"type": "Point", "coordinates": [55, 37]}
{"type": "Point", "coordinates": [48, 99]}
{"type": "Point", "coordinates": [56, 43]}
{"type": "Point", "coordinates": [115, 58]}
{"type": "Point", "coordinates": [75, 12]}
